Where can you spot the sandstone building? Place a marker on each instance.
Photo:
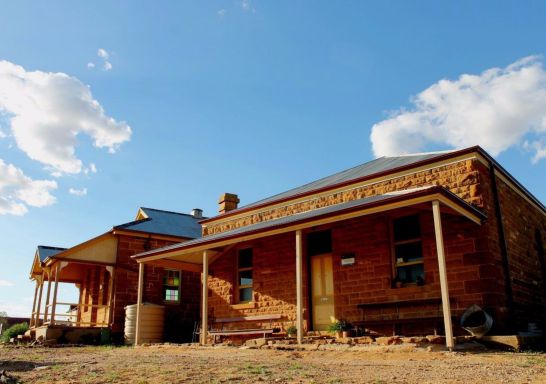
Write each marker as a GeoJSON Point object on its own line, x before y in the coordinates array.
{"type": "Point", "coordinates": [107, 279]}
{"type": "Point", "coordinates": [400, 244]}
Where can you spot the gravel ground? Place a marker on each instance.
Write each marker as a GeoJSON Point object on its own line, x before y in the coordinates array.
{"type": "Point", "coordinates": [190, 364]}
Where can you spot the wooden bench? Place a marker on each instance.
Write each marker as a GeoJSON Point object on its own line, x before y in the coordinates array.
{"type": "Point", "coordinates": [395, 318]}
{"type": "Point", "coordinates": [215, 331]}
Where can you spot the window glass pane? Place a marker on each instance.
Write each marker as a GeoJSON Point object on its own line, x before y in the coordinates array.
{"type": "Point", "coordinates": [245, 294]}
{"type": "Point", "coordinates": [171, 285]}
{"type": "Point", "coordinates": [408, 252]}
{"type": "Point", "coordinates": [319, 243]}
{"type": "Point", "coordinates": [406, 228]}
{"type": "Point", "coordinates": [171, 278]}
{"type": "Point", "coordinates": [171, 294]}
{"type": "Point", "coordinates": [411, 273]}
{"type": "Point", "coordinates": [245, 258]}
{"type": "Point", "coordinates": [245, 277]}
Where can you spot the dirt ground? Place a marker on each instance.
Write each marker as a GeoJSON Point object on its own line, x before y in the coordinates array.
{"type": "Point", "coordinates": [192, 364]}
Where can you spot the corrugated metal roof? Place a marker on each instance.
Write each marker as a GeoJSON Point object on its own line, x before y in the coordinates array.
{"type": "Point", "coordinates": [379, 165]}
{"type": "Point", "coordinates": [165, 223]}
{"type": "Point", "coordinates": [316, 213]}
{"type": "Point", "coordinates": [45, 251]}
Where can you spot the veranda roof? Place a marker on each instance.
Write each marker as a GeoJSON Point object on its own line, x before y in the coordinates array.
{"type": "Point", "coordinates": [332, 213]}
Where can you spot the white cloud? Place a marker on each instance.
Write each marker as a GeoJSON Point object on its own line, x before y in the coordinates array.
{"type": "Point", "coordinates": [538, 146]}
{"type": "Point", "coordinates": [48, 111]}
{"type": "Point", "coordinates": [78, 192]}
{"type": "Point", "coordinates": [246, 5]}
{"type": "Point", "coordinates": [17, 191]}
{"type": "Point", "coordinates": [221, 12]}
{"type": "Point", "coordinates": [17, 308]}
{"type": "Point", "coordinates": [6, 283]}
{"type": "Point", "coordinates": [103, 54]}
{"type": "Point", "coordinates": [497, 109]}
{"type": "Point", "coordinates": [91, 169]}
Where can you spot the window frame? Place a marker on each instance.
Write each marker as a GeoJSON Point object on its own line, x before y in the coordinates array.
{"type": "Point", "coordinates": [394, 243]}
{"type": "Point", "coordinates": [165, 286]}
{"type": "Point", "coordinates": [238, 270]}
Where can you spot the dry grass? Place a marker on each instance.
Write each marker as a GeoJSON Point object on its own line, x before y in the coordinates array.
{"type": "Point", "coordinates": [185, 364]}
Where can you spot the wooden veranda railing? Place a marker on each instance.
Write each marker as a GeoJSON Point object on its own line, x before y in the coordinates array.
{"type": "Point", "coordinates": [72, 317]}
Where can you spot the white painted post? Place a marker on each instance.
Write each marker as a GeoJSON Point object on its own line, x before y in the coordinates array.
{"type": "Point", "coordinates": [46, 311]}
{"type": "Point", "coordinates": [37, 318]}
{"type": "Point", "coordinates": [108, 311]}
{"type": "Point", "coordinates": [299, 286]}
{"type": "Point", "coordinates": [139, 302]}
{"type": "Point", "coordinates": [205, 297]}
{"type": "Point", "coordinates": [443, 273]}
{"type": "Point", "coordinates": [33, 315]}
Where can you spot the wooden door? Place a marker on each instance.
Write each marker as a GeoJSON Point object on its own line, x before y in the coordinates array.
{"type": "Point", "coordinates": [322, 292]}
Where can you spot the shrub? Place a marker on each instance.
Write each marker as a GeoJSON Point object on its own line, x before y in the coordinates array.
{"type": "Point", "coordinates": [14, 331]}
{"type": "Point", "coordinates": [292, 330]}
{"type": "Point", "coordinates": [339, 326]}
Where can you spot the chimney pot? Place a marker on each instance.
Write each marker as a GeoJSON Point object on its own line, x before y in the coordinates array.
{"type": "Point", "coordinates": [197, 213]}
{"type": "Point", "coordinates": [228, 202]}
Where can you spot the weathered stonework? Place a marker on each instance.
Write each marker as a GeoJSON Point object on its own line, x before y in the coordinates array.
{"type": "Point", "coordinates": [274, 283]}
{"type": "Point", "coordinates": [525, 233]}
{"type": "Point", "coordinates": [181, 317]}
{"type": "Point", "coordinates": [461, 178]}
{"type": "Point", "coordinates": [473, 255]}
{"type": "Point", "coordinates": [472, 273]}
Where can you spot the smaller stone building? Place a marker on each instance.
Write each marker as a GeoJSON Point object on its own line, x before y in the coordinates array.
{"type": "Point", "coordinates": [107, 280]}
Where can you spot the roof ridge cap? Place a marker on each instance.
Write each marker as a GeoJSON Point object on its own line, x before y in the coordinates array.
{"type": "Point", "coordinates": [426, 153]}
{"type": "Point", "coordinates": [166, 211]}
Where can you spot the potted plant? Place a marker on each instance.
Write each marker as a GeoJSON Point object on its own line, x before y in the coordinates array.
{"type": "Point", "coordinates": [340, 328]}
{"type": "Point", "coordinates": [292, 331]}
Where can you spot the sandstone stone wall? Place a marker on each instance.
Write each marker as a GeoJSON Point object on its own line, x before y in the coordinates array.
{"type": "Point", "coordinates": [461, 178]}
{"type": "Point", "coordinates": [181, 317]}
{"type": "Point", "coordinates": [525, 232]}
{"type": "Point", "coordinates": [472, 272]}
{"type": "Point", "coordinates": [274, 274]}
{"type": "Point", "coordinates": [473, 253]}
{"type": "Point", "coordinates": [90, 295]}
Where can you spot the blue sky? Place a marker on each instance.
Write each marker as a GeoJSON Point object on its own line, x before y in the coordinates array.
{"type": "Point", "coordinates": [250, 97]}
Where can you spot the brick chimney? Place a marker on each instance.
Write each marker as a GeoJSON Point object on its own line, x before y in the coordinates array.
{"type": "Point", "coordinates": [228, 202]}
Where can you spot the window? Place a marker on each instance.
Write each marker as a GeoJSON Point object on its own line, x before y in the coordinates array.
{"type": "Point", "coordinates": [408, 250]}
{"type": "Point", "coordinates": [244, 275]}
{"type": "Point", "coordinates": [171, 286]}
